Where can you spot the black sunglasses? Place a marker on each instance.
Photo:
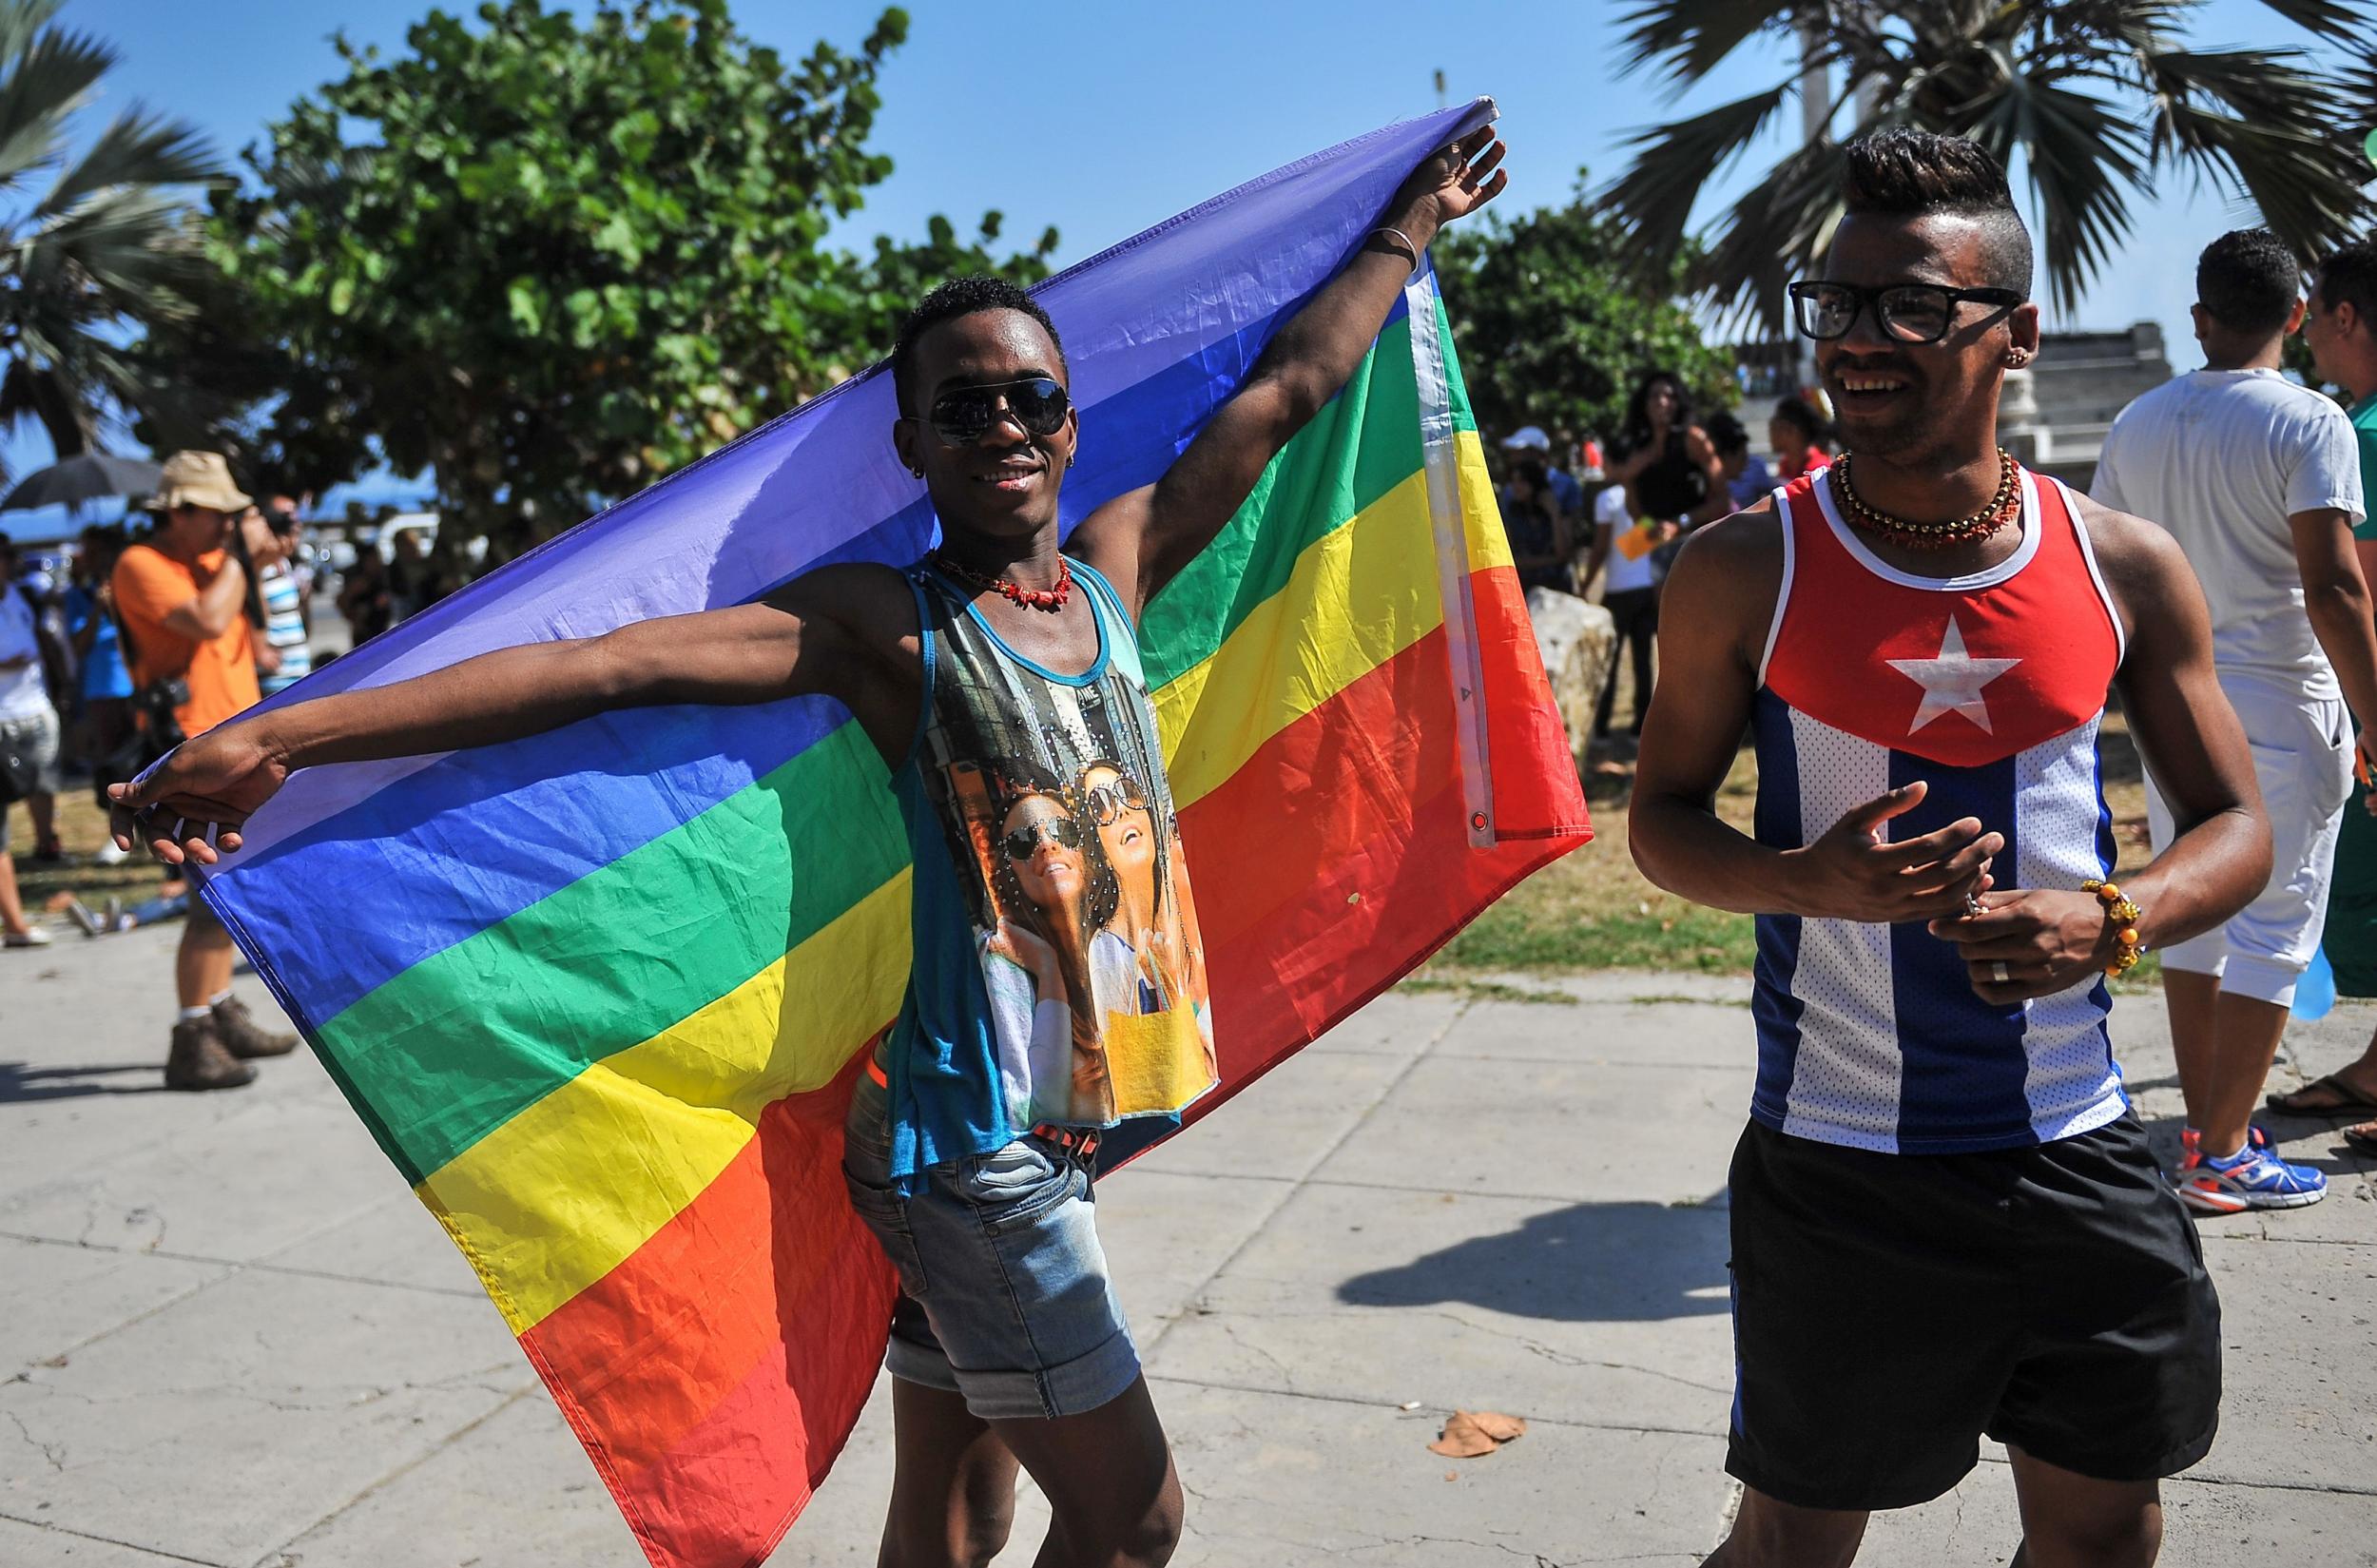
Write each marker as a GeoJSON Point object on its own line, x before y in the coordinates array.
{"type": "Point", "coordinates": [1103, 802]}
{"type": "Point", "coordinates": [1911, 313]}
{"type": "Point", "coordinates": [1025, 840]}
{"type": "Point", "coordinates": [1036, 403]}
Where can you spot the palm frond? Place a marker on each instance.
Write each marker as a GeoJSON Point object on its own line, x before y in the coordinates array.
{"type": "Point", "coordinates": [1672, 162]}
{"type": "Point", "coordinates": [21, 22]}
{"type": "Point", "coordinates": [1773, 234]}
{"type": "Point", "coordinates": [133, 246]}
{"type": "Point", "coordinates": [2082, 158]}
{"type": "Point", "coordinates": [2261, 122]}
{"type": "Point", "coordinates": [2332, 20]}
{"type": "Point", "coordinates": [1684, 40]}
{"type": "Point", "coordinates": [41, 85]}
{"type": "Point", "coordinates": [139, 148]}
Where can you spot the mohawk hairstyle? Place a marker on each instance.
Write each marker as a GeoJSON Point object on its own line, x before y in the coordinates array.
{"type": "Point", "coordinates": [965, 296]}
{"type": "Point", "coordinates": [1901, 173]}
{"type": "Point", "coordinates": [2247, 281]}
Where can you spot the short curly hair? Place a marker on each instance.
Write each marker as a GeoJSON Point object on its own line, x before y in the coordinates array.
{"type": "Point", "coordinates": [965, 296]}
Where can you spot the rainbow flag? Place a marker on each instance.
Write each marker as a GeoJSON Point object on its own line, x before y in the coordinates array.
{"type": "Point", "coordinates": [601, 994]}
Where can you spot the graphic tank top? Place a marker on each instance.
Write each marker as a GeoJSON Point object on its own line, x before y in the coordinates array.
{"type": "Point", "coordinates": [1990, 688]}
{"type": "Point", "coordinates": [1058, 974]}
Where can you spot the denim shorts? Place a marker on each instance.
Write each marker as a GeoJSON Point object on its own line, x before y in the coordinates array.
{"type": "Point", "coordinates": [1003, 1293]}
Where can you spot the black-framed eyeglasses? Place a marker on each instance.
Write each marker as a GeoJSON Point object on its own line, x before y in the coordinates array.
{"type": "Point", "coordinates": [1025, 840]}
{"type": "Point", "coordinates": [1036, 403]}
{"type": "Point", "coordinates": [1911, 313]}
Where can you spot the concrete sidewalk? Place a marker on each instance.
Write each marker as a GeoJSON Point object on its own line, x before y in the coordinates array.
{"type": "Point", "coordinates": [233, 1337]}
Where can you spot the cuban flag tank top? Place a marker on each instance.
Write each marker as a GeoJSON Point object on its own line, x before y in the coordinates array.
{"type": "Point", "coordinates": [1991, 688]}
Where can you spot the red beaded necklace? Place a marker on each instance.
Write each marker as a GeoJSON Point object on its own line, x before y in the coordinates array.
{"type": "Point", "coordinates": [1051, 599]}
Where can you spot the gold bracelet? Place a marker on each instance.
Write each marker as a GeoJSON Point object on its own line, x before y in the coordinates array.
{"type": "Point", "coordinates": [2125, 912]}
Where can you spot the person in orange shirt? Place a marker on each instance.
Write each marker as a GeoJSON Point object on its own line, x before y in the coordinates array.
{"type": "Point", "coordinates": [182, 598]}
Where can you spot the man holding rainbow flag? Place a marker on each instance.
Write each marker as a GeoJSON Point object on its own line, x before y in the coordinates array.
{"type": "Point", "coordinates": [1056, 1008]}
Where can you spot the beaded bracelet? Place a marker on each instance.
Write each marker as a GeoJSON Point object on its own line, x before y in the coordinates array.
{"type": "Point", "coordinates": [2124, 911]}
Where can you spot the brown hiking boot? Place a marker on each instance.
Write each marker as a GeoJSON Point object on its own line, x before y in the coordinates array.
{"type": "Point", "coordinates": [244, 1036]}
{"type": "Point", "coordinates": [199, 1059]}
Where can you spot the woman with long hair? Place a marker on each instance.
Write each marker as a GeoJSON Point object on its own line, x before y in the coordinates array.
{"type": "Point", "coordinates": [1057, 896]}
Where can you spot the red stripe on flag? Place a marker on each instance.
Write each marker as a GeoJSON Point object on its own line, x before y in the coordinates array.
{"type": "Point", "coordinates": [1346, 843]}
{"type": "Point", "coordinates": [766, 1295]}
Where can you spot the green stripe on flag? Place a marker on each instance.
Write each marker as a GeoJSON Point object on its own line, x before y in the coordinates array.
{"type": "Point", "coordinates": [1361, 445]}
{"type": "Point", "coordinates": [462, 1041]}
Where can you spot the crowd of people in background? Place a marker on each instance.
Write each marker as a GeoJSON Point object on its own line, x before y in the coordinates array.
{"type": "Point", "coordinates": [1583, 516]}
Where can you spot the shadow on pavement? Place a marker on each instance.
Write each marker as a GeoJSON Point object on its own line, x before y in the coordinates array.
{"type": "Point", "coordinates": [20, 1083]}
{"type": "Point", "coordinates": [1590, 1263]}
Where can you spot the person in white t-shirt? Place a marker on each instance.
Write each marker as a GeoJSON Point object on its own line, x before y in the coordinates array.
{"type": "Point", "coordinates": [1630, 595]}
{"type": "Point", "coordinates": [2259, 480]}
{"type": "Point", "coordinates": [29, 739]}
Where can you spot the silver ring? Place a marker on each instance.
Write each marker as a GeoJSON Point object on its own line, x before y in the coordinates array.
{"type": "Point", "coordinates": [1998, 972]}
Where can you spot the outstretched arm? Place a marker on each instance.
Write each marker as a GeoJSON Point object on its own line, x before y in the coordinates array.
{"type": "Point", "coordinates": [1141, 540]}
{"type": "Point", "coordinates": [840, 633]}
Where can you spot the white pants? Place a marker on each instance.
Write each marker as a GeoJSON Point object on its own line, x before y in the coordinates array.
{"type": "Point", "coordinates": [2303, 758]}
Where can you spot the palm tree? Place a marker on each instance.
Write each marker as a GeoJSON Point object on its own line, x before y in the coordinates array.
{"type": "Point", "coordinates": [2099, 98]}
{"type": "Point", "coordinates": [106, 250]}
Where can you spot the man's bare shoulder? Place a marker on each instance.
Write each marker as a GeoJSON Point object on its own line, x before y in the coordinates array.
{"type": "Point", "coordinates": [2141, 561]}
{"type": "Point", "coordinates": [1744, 543]}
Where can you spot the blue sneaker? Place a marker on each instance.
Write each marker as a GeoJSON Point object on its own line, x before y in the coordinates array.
{"type": "Point", "coordinates": [2254, 1177]}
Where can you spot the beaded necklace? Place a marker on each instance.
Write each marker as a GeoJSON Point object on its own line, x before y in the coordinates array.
{"type": "Point", "coordinates": [1051, 599]}
{"type": "Point", "coordinates": [1916, 535]}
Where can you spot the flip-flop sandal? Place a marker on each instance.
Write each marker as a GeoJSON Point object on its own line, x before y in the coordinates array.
{"type": "Point", "coordinates": [2348, 1102]}
{"type": "Point", "coordinates": [2361, 1142]}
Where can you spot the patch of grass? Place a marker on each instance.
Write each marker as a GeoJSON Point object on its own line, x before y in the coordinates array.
{"type": "Point", "coordinates": [1487, 991]}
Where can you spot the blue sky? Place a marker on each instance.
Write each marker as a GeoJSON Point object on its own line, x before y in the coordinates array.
{"type": "Point", "coordinates": [1103, 119]}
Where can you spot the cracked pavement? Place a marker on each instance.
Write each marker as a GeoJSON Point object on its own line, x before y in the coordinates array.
{"type": "Point", "coordinates": [230, 1336]}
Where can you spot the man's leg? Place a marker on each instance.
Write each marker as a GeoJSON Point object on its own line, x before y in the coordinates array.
{"type": "Point", "coordinates": [198, 1059]}
{"type": "Point", "coordinates": [11, 909]}
{"type": "Point", "coordinates": [1768, 1534]}
{"type": "Point", "coordinates": [2071, 1520]}
{"type": "Point", "coordinates": [954, 1489]}
{"type": "Point", "coordinates": [43, 805]}
{"type": "Point", "coordinates": [1107, 1475]}
{"type": "Point", "coordinates": [2248, 1033]}
{"type": "Point", "coordinates": [202, 966]}
{"type": "Point", "coordinates": [1645, 642]}
{"type": "Point", "coordinates": [2192, 1000]}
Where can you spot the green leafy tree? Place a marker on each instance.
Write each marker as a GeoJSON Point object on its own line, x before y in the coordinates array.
{"type": "Point", "coordinates": [1555, 325]}
{"type": "Point", "coordinates": [103, 250]}
{"type": "Point", "coordinates": [564, 255]}
{"type": "Point", "coordinates": [2102, 100]}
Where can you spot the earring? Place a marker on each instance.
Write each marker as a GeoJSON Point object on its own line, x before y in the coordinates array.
{"type": "Point", "coordinates": [2017, 357]}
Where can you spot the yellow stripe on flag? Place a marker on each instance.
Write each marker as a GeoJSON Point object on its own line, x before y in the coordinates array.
{"type": "Point", "coordinates": [1358, 596]}
{"type": "Point", "coordinates": [566, 1190]}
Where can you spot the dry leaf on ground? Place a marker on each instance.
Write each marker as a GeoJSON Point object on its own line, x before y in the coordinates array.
{"type": "Point", "coordinates": [1473, 1434]}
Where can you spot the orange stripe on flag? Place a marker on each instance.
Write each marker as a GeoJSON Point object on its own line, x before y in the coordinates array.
{"type": "Point", "coordinates": [653, 1349]}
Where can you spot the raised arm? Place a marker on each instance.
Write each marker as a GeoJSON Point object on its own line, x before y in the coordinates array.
{"type": "Point", "coordinates": [1713, 622]}
{"type": "Point", "coordinates": [1141, 540]}
{"type": "Point", "coordinates": [846, 631]}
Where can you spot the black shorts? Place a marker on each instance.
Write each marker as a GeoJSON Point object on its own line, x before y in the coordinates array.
{"type": "Point", "coordinates": [1890, 1309]}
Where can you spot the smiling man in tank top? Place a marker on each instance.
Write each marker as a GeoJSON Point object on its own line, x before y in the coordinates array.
{"type": "Point", "coordinates": [1945, 1219]}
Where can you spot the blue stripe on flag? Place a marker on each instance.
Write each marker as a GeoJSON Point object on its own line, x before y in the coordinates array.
{"type": "Point", "coordinates": [1773, 1008]}
{"type": "Point", "coordinates": [1965, 1071]}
